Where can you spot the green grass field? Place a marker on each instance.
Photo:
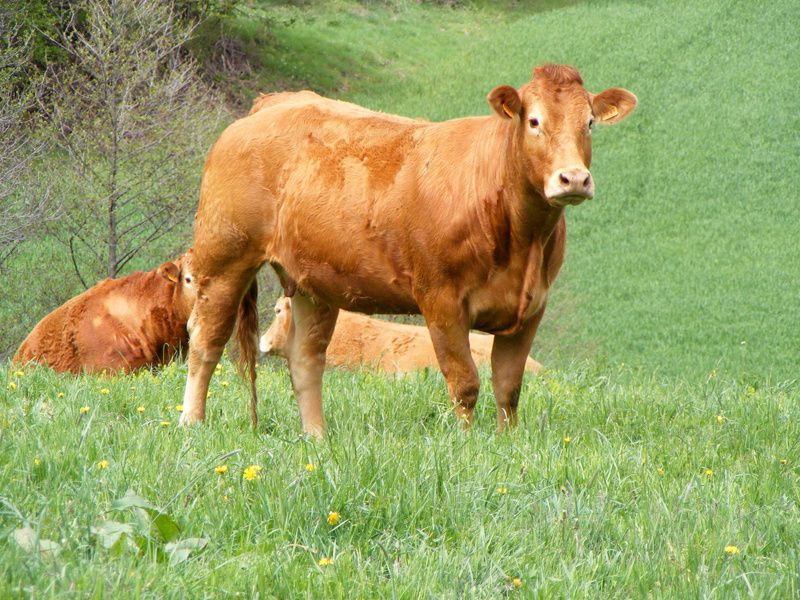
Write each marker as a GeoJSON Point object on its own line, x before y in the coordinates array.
{"type": "Point", "coordinates": [614, 485]}
{"type": "Point", "coordinates": [658, 457]}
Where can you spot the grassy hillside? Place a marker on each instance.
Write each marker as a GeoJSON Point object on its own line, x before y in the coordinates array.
{"type": "Point", "coordinates": [675, 475]}
{"type": "Point", "coordinates": [687, 260]}
{"type": "Point", "coordinates": [614, 485]}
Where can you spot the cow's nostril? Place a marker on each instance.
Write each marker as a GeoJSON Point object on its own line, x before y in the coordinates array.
{"type": "Point", "coordinates": [587, 181]}
{"type": "Point", "coordinates": [563, 178]}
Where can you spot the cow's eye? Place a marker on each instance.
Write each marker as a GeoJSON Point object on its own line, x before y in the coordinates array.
{"type": "Point", "coordinates": [277, 311]}
{"type": "Point", "coordinates": [534, 123]}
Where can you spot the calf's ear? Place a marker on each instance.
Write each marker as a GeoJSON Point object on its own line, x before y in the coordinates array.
{"type": "Point", "coordinates": [170, 270]}
{"type": "Point", "coordinates": [505, 101]}
{"type": "Point", "coordinates": [613, 105]}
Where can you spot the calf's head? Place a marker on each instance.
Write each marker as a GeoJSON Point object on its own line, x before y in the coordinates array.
{"type": "Point", "coordinates": [553, 118]}
{"type": "Point", "coordinates": [275, 339]}
{"type": "Point", "coordinates": [183, 289]}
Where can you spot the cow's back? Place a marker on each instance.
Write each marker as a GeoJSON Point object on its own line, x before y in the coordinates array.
{"type": "Point", "coordinates": [55, 341]}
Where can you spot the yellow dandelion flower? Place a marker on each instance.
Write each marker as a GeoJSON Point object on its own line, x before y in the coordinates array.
{"type": "Point", "coordinates": [660, 471]}
{"type": "Point", "coordinates": [19, 373]}
{"type": "Point", "coordinates": [165, 423]}
{"type": "Point", "coordinates": [103, 464]}
{"type": "Point", "coordinates": [60, 395]}
{"type": "Point", "coordinates": [713, 373]}
{"type": "Point", "coordinates": [224, 384]}
{"type": "Point", "coordinates": [179, 407]}
{"type": "Point", "coordinates": [325, 561]}
{"type": "Point", "coordinates": [501, 490]}
{"type": "Point", "coordinates": [84, 410]}
{"type": "Point", "coordinates": [12, 385]}
{"type": "Point", "coordinates": [221, 470]}
{"type": "Point", "coordinates": [225, 498]}
{"type": "Point", "coordinates": [731, 550]}
{"type": "Point", "coordinates": [516, 582]}
{"type": "Point", "coordinates": [37, 461]}
{"type": "Point", "coordinates": [720, 419]}
{"type": "Point", "coordinates": [334, 518]}
{"type": "Point", "coordinates": [709, 473]}
{"type": "Point", "coordinates": [311, 467]}
{"type": "Point", "coordinates": [567, 440]}
{"type": "Point", "coordinates": [105, 391]}
{"type": "Point", "coordinates": [140, 409]}
{"type": "Point", "coordinates": [252, 472]}
{"type": "Point", "coordinates": [784, 461]}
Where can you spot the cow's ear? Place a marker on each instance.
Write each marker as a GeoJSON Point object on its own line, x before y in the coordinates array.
{"type": "Point", "coordinates": [505, 101]}
{"type": "Point", "coordinates": [170, 271]}
{"type": "Point", "coordinates": [613, 105]}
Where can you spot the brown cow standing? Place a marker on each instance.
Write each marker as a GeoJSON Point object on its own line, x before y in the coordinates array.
{"type": "Point", "coordinates": [118, 324]}
{"type": "Point", "coordinates": [462, 221]}
{"type": "Point", "coordinates": [359, 340]}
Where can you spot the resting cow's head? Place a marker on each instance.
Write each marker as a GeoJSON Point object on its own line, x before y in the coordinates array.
{"type": "Point", "coordinates": [554, 116]}
{"type": "Point", "coordinates": [275, 339]}
{"type": "Point", "coordinates": [179, 273]}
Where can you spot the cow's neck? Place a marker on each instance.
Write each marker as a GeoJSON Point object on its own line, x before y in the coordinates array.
{"type": "Point", "coordinates": [531, 224]}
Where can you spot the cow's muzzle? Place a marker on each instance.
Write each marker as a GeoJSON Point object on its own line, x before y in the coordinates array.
{"type": "Point", "coordinates": [572, 185]}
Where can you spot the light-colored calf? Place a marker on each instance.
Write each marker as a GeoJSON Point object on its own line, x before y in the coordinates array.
{"type": "Point", "coordinates": [359, 340]}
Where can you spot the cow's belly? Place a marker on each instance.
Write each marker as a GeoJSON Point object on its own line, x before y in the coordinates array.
{"type": "Point", "coordinates": [366, 291]}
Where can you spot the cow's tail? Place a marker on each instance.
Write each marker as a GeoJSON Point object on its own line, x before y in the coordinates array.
{"type": "Point", "coordinates": [247, 338]}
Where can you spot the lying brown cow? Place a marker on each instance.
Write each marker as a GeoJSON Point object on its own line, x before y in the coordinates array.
{"type": "Point", "coordinates": [117, 325]}
{"type": "Point", "coordinates": [359, 340]}
{"type": "Point", "coordinates": [462, 221]}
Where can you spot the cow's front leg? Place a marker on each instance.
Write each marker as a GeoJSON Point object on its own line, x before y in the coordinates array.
{"type": "Point", "coordinates": [450, 336]}
{"type": "Point", "coordinates": [312, 328]}
{"type": "Point", "coordinates": [509, 353]}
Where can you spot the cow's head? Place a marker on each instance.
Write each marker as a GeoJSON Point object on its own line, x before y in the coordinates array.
{"type": "Point", "coordinates": [275, 339]}
{"type": "Point", "coordinates": [179, 274]}
{"type": "Point", "coordinates": [554, 116]}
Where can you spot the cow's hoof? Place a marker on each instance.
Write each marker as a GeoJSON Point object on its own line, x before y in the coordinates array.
{"type": "Point", "coordinates": [187, 419]}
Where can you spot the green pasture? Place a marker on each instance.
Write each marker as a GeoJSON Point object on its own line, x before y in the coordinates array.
{"type": "Point", "coordinates": [615, 485]}
{"type": "Point", "coordinates": [687, 260]}
{"type": "Point", "coordinates": [656, 457]}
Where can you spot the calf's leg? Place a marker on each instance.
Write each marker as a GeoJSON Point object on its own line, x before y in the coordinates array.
{"type": "Point", "coordinates": [309, 335]}
{"type": "Point", "coordinates": [450, 336]}
{"type": "Point", "coordinates": [509, 354]}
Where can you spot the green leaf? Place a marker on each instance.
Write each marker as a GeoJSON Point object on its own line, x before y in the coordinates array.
{"type": "Point", "coordinates": [115, 536]}
{"type": "Point", "coordinates": [29, 541]}
{"type": "Point", "coordinates": [132, 500]}
{"type": "Point", "coordinates": [179, 551]}
{"type": "Point", "coordinates": [167, 528]}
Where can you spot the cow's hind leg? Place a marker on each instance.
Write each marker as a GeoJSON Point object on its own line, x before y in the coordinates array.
{"type": "Point", "coordinates": [210, 327]}
{"type": "Point", "coordinates": [306, 346]}
{"type": "Point", "coordinates": [509, 354]}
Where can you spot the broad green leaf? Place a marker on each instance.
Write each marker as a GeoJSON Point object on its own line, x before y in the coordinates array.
{"type": "Point", "coordinates": [132, 500]}
{"type": "Point", "coordinates": [29, 541]}
{"type": "Point", "coordinates": [179, 551]}
{"type": "Point", "coordinates": [115, 536]}
{"type": "Point", "coordinates": [167, 528]}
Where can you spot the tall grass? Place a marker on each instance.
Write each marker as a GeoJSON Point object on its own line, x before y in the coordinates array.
{"type": "Point", "coordinates": [616, 484]}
